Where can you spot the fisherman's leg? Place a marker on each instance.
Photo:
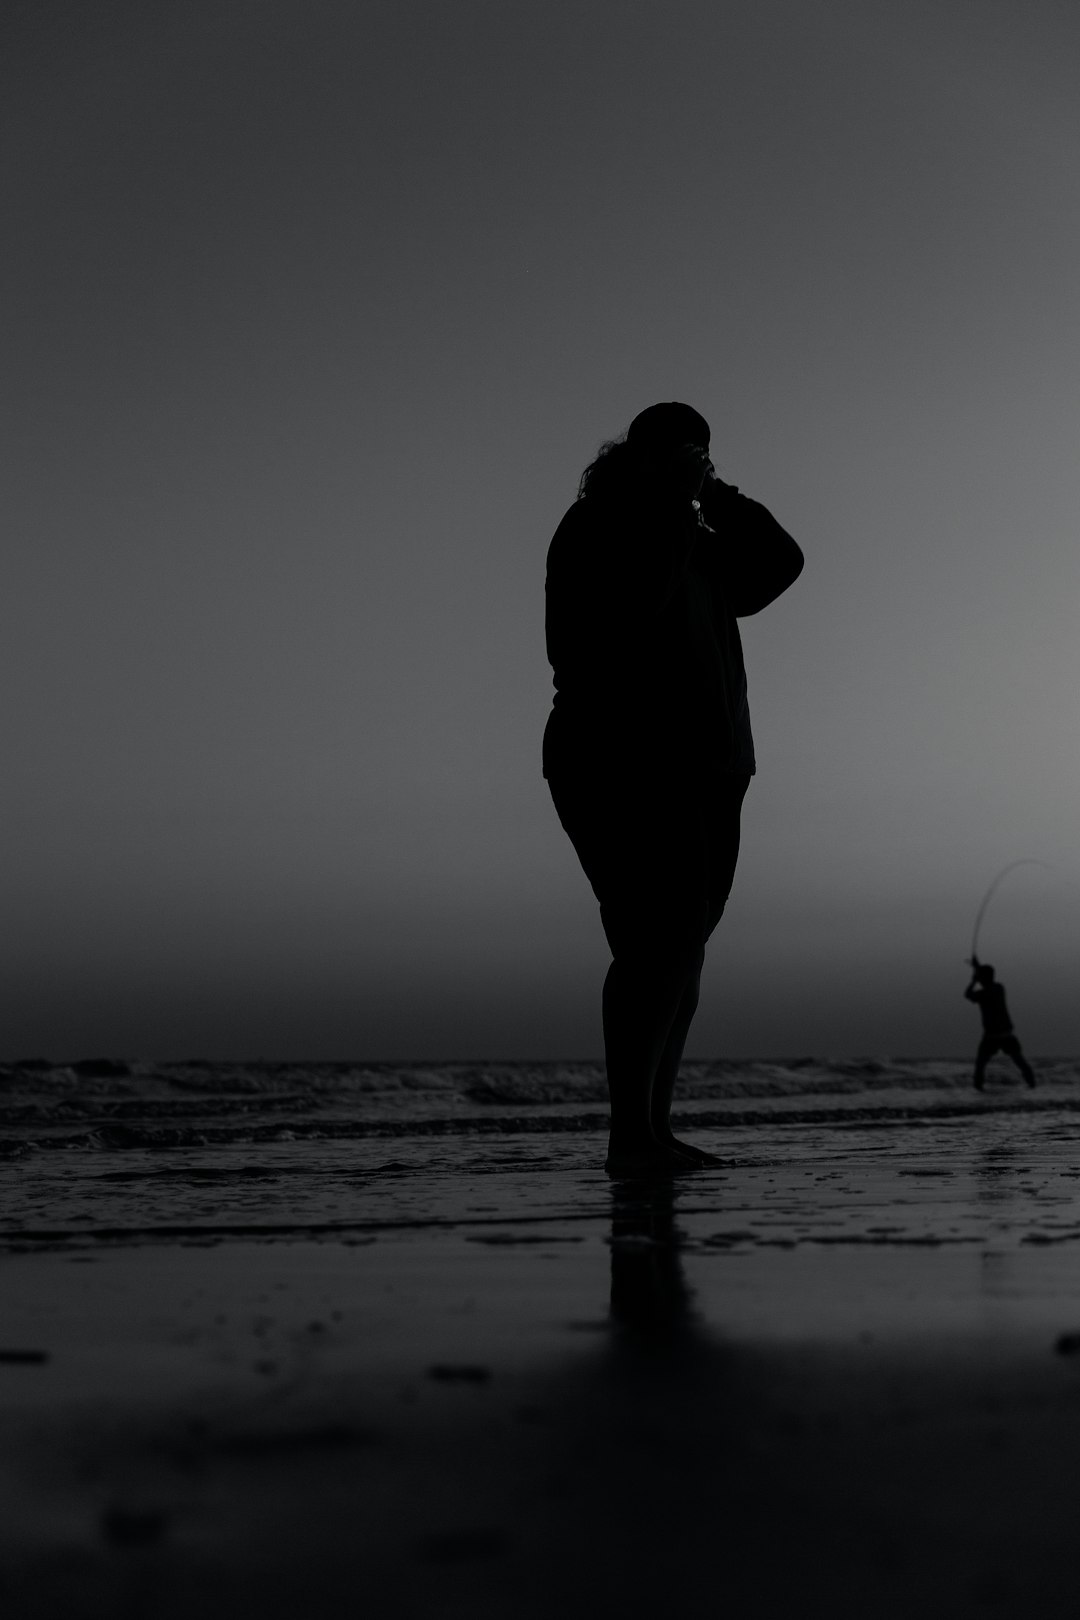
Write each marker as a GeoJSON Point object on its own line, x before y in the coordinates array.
{"type": "Point", "coordinates": [987, 1048]}
{"type": "Point", "coordinates": [1015, 1051]}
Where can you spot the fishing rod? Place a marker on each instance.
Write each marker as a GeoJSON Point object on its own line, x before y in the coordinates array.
{"type": "Point", "coordinates": [989, 895]}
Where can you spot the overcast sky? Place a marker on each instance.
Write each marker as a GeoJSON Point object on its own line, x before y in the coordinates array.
{"type": "Point", "coordinates": [312, 314]}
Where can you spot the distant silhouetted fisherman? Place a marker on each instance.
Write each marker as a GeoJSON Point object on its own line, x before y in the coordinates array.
{"type": "Point", "coordinates": [648, 750]}
{"type": "Point", "coordinates": [998, 1034]}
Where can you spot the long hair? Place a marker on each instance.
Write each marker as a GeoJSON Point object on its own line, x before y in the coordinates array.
{"type": "Point", "coordinates": [609, 471]}
{"type": "Point", "coordinates": [619, 463]}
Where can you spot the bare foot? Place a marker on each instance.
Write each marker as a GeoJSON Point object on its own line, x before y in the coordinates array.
{"type": "Point", "coordinates": [667, 1138]}
{"type": "Point", "coordinates": [689, 1151]}
{"type": "Point", "coordinates": [651, 1163]}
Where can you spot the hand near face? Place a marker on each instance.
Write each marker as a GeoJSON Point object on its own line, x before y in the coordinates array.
{"type": "Point", "coordinates": [686, 469]}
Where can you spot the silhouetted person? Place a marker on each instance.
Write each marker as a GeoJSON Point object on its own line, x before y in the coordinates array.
{"type": "Point", "coordinates": [648, 750]}
{"type": "Point", "coordinates": [998, 1034]}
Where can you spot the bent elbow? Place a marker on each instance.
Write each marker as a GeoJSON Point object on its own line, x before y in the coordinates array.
{"type": "Point", "coordinates": [781, 576]}
{"type": "Point", "coordinates": [790, 562]}
{"type": "Point", "coordinates": [787, 566]}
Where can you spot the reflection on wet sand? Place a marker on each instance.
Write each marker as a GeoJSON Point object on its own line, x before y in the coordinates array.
{"type": "Point", "coordinates": [653, 1425]}
{"type": "Point", "coordinates": [650, 1300]}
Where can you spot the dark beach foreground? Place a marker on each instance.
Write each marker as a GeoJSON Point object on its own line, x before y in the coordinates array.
{"type": "Point", "coordinates": [840, 1373]}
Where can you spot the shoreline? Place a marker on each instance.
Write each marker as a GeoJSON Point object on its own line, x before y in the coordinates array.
{"type": "Point", "coordinates": [456, 1421]}
{"type": "Point", "coordinates": [838, 1371]}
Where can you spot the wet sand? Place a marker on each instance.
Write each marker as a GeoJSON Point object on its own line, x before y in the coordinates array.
{"type": "Point", "coordinates": [794, 1385]}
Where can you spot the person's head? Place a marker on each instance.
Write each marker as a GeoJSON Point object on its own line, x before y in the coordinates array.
{"type": "Point", "coordinates": [984, 973]}
{"type": "Point", "coordinates": [661, 430]}
{"type": "Point", "coordinates": [665, 444]}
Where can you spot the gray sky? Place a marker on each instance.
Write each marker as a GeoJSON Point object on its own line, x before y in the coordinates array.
{"type": "Point", "coordinates": [312, 315]}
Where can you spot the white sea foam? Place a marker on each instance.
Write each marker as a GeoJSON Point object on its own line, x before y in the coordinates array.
{"type": "Point", "coordinates": [120, 1151]}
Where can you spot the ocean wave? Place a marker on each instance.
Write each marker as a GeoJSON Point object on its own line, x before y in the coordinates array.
{"type": "Point", "coordinates": [113, 1105]}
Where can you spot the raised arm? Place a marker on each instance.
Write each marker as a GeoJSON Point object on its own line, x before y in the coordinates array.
{"type": "Point", "coordinates": [756, 559]}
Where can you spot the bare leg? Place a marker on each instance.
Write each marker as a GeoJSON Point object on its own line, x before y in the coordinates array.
{"type": "Point", "coordinates": [667, 1072]}
{"type": "Point", "coordinates": [639, 1010]}
{"type": "Point", "coordinates": [726, 856]}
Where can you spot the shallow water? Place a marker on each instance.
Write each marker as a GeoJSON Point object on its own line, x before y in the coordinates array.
{"type": "Point", "coordinates": [880, 1153]}
{"type": "Point", "coordinates": [275, 1334]}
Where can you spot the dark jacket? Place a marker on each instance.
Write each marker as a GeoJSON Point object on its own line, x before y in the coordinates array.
{"type": "Point", "coordinates": [990, 999]}
{"type": "Point", "coordinates": [643, 599]}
